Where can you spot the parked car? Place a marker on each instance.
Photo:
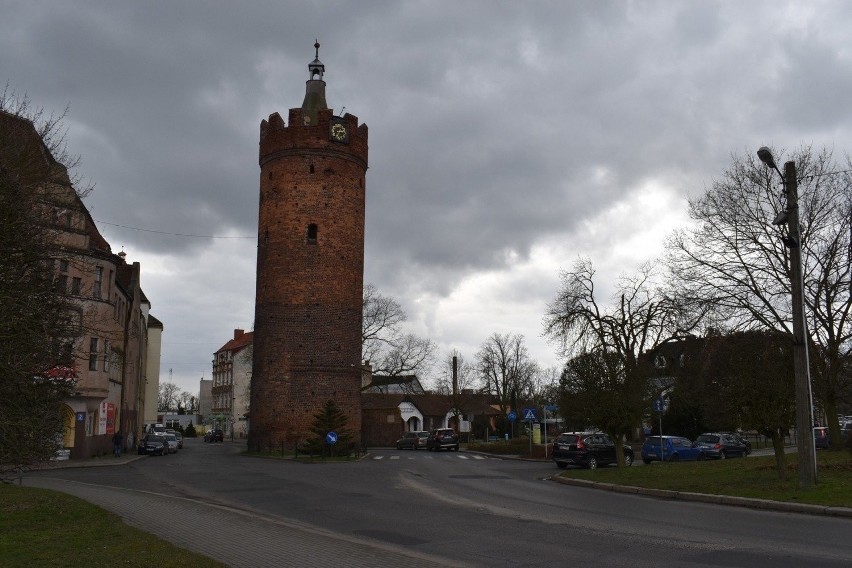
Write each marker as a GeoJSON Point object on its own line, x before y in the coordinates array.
{"type": "Point", "coordinates": [742, 440]}
{"type": "Point", "coordinates": [670, 448]}
{"type": "Point", "coordinates": [442, 438]}
{"type": "Point", "coordinates": [153, 445]}
{"type": "Point", "coordinates": [412, 440]}
{"type": "Point", "coordinates": [721, 446]}
{"type": "Point", "coordinates": [587, 449]}
{"type": "Point", "coordinates": [821, 439]}
{"type": "Point", "coordinates": [214, 436]}
{"type": "Point", "coordinates": [177, 435]}
{"type": "Point", "coordinates": [171, 441]}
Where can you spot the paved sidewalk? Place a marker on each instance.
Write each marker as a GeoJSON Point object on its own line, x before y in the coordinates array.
{"type": "Point", "coordinates": [240, 538]}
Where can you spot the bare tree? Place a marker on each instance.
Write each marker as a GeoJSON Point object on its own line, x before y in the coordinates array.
{"type": "Point", "coordinates": [52, 130]}
{"type": "Point", "coordinates": [168, 397]}
{"type": "Point", "coordinates": [466, 374]}
{"type": "Point", "coordinates": [737, 261]}
{"type": "Point", "coordinates": [384, 344]}
{"type": "Point", "coordinates": [185, 402]}
{"type": "Point", "coordinates": [611, 337]}
{"type": "Point", "coordinates": [506, 368]}
{"type": "Point", "coordinates": [36, 370]}
{"type": "Point", "coordinates": [39, 323]}
{"type": "Point", "coordinates": [597, 390]}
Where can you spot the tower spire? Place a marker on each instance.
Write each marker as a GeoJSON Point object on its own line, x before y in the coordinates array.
{"type": "Point", "coordinates": [314, 89]}
{"type": "Point", "coordinates": [316, 67]}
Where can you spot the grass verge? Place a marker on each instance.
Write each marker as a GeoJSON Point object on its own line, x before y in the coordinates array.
{"type": "Point", "coordinates": [754, 477]}
{"type": "Point", "coordinates": [39, 527]}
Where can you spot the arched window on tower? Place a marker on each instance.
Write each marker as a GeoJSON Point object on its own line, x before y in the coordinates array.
{"type": "Point", "coordinates": [312, 233]}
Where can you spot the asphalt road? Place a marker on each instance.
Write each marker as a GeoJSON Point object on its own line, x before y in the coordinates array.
{"type": "Point", "coordinates": [407, 508]}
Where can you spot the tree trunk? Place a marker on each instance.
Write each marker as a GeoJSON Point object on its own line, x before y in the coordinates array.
{"type": "Point", "coordinates": [780, 455]}
{"type": "Point", "coordinates": [834, 437]}
{"type": "Point", "coordinates": [619, 450]}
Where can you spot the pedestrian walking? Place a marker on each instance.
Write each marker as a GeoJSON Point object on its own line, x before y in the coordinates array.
{"type": "Point", "coordinates": [117, 440]}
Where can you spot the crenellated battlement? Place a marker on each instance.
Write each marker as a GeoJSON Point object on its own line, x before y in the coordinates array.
{"type": "Point", "coordinates": [276, 137]}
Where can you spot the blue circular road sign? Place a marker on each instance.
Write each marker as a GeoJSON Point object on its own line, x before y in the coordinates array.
{"type": "Point", "coordinates": [331, 438]}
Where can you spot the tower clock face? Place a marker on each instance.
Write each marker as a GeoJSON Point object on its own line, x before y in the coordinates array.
{"type": "Point", "coordinates": [339, 132]}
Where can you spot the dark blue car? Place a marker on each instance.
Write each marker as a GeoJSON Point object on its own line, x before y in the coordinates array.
{"type": "Point", "coordinates": [670, 448]}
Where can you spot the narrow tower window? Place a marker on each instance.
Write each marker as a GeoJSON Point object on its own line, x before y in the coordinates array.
{"type": "Point", "coordinates": [312, 233]}
{"type": "Point", "coordinates": [312, 168]}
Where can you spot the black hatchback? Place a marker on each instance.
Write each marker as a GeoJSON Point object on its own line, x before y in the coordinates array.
{"type": "Point", "coordinates": [587, 449]}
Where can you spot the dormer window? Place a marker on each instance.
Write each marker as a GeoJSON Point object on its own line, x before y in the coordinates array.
{"type": "Point", "coordinates": [312, 233]}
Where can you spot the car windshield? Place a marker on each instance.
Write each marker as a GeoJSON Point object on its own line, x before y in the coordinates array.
{"type": "Point", "coordinates": [653, 440]}
{"type": "Point", "coordinates": [170, 438]}
{"type": "Point", "coordinates": [707, 439]}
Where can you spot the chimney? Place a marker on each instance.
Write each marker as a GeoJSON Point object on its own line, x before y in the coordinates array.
{"type": "Point", "coordinates": [238, 333]}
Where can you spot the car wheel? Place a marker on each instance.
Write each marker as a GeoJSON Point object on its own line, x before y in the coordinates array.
{"type": "Point", "coordinates": [628, 460]}
{"type": "Point", "coordinates": [674, 458]}
{"type": "Point", "coordinates": [398, 447]}
{"type": "Point", "coordinates": [456, 448]}
{"type": "Point", "coordinates": [700, 457]}
{"type": "Point", "coordinates": [561, 465]}
{"type": "Point", "coordinates": [722, 455]}
{"type": "Point", "coordinates": [646, 461]}
{"type": "Point", "coordinates": [593, 462]}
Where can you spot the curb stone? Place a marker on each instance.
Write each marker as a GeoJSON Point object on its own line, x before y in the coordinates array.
{"type": "Point", "coordinates": [764, 504]}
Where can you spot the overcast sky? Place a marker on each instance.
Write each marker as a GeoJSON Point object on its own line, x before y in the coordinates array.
{"type": "Point", "coordinates": [506, 138]}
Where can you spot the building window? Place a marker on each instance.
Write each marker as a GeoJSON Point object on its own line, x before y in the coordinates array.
{"type": "Point", "coordinates": [62, 284]}
{"type": "Point", "coordinates": [106, 354]}
{"type": "Point", "coordinates": [76, 284]}
{"type": "Point", "coordinates": [312, 233]}
{"type": "Point", "coordinates": [63, 265]}
{"type": "Point", "coordinates": [99, 277]}
{"type": "Point", "coordinates": [93, 354]}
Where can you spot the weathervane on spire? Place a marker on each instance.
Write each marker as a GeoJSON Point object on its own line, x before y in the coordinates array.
{"type": "Point", "coordinates": [316, 67]}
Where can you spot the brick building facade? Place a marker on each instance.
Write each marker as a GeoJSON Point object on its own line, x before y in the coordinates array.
{"type": "Point", "coordinates": [310, 265]}
{"type": "Point", "coordinates": [109, 354]}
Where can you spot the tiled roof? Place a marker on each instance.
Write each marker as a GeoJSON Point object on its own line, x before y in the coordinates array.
{"type": "Point", "coordinates": [238, 343]}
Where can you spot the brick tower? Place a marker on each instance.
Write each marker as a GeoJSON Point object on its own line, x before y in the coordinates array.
{"type": "Point", "coordinates": [310, 269]}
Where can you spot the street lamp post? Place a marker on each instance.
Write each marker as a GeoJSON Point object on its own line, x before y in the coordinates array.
{"type": "Point", "coordinates": [801, 366]}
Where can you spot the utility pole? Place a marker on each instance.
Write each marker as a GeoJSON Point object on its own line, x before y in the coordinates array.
{"type": "Point", "coordinates": [801, 364]}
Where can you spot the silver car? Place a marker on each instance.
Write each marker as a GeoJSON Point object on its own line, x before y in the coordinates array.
{"type": "Point", "coordinates": [172, 442]}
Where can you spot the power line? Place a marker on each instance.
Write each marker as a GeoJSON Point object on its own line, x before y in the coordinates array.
{"type": "Point", "coordinates": [168, 233]}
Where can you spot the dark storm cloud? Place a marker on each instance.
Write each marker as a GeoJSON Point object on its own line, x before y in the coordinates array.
{"type": "Point", "coordinates": [497, 129]}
